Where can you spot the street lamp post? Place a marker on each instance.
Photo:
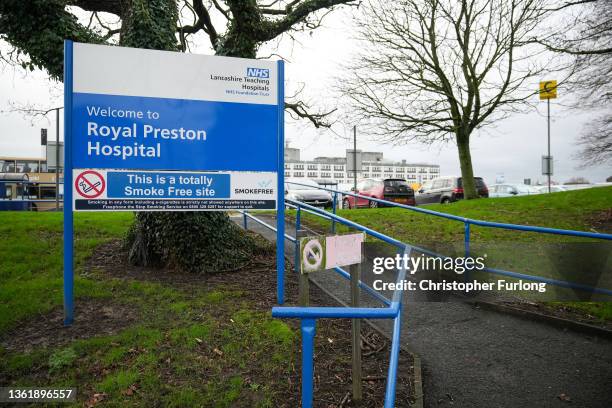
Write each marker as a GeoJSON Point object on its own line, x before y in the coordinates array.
{"type": "Point", "coordinates": [355, 158]}
{"type": "Point", "coordinates": [57, 151]}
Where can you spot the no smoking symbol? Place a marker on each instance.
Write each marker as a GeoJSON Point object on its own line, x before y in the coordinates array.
{"type": "Point", "coordinates": [90, 184]}
{"type": "Point", "coordinates": [312, 255]}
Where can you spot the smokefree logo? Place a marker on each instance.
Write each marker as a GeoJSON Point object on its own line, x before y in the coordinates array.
{"type": "Point", "coordinates": [258, 73]}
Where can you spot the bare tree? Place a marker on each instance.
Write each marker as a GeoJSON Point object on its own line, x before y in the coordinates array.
{"type": "Point", "coordinates": [589, 42]}
{"type": "Point", "coordinates": [436, 70]}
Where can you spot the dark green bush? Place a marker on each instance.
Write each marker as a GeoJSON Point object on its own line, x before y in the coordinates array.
{"type": "Point", "coordinates": [199, 242]}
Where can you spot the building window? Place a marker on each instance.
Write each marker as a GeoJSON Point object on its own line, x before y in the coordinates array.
{"type": "Point", "coordinates": [298, 167]}
{"type": "Point", "coordinates": [339, 168]}
{"type": "Point", "coordinates": [28, 166]}
{"type": "Point", "coordinates": [298, 174]}
{"type": "Point", "coordinates": [338, 175]}
{"type": "Point", "coordinates": [375, 169]}
{"type": "Point", "coordinates": [326, 175]}
{"type": "Point", "coordinates": [411, 170]}
{"type": "Point", "coordinates": [325, 167]}
{"type": "Point", "coordinates": [375, 175]}
{"type": "Point", "coordinates": [287, 174]}
{"type": "Point", "coordinates": [287, 166]}
{"type": "Point", "coordinates": [312, 167]}
{"type": "Point", "coordinates": [312, 174]}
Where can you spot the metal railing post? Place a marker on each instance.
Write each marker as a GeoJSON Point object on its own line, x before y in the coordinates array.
{"type": "Point", "coordinates": [466, 239]}
{"type": "Point", "coordinates": [244, 219]}
{"type": "Point", "coordinates": [308, 333]}
{"type": "Point", "coordinates": [355, 271]}
{"type": "Point", "coordinates": [303, 279]}
{"type": "Point", "coordinates": [393, 363]}
{"type": "Point", "coordinates": [334, 206]}
{"type": "Point", "coordinates": [296, 253]}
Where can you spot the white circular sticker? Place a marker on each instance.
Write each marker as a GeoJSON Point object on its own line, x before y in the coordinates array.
{"type": "Point", "coordinates": [312, 256]}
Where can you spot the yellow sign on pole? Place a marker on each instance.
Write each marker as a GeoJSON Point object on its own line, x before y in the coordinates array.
{"type": "Point", "coordinates": [548, 89]}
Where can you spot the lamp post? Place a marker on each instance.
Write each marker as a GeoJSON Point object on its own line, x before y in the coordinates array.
{"type": "Point", "coordinates": [57, 149]}
{"type": "Point", "coordinates": [57, 156]}
{"type": "Point", "coordinates": [355, 159]}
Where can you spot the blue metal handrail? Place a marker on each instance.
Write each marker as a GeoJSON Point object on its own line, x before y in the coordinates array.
{"type": "Point", "coordinates": [468, 222]}
{"type": "Point", "coordinates": [481, 223]}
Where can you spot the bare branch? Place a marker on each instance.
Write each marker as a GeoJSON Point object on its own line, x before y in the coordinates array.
{"type": "Point", "coordinates": [106, 6]}
{"type": "Point", "coordinates": [203, 22]}
{"type": "Point", "coordinates": [29, 111]}
{"type": "Point", "coordinates": [596, 142]}
{"type": "Point", "coordinates": [573, 52]}
{"type": "Point", "coordinates": [221, 9]}
{"type": "Point", "coordinates": [300, 110]}
{"type": "Point", "coordinates": [298, 13]}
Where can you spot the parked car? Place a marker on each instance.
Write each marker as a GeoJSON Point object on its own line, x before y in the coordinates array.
{"type": "Point", "coordinates": [447, 190]}
{"type": "Point", "coordinates": [308, 192]}
{"type": "Point", "coordinates": [395, 190]}
{"type": "Point", "coordinates": [553, 189]}
{"type": "Point", "coordinates": [512, 190]}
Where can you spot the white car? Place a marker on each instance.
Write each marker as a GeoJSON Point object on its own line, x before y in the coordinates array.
{"type": "Point", "coordinates": [553, 189]}
{"type": "Point", "coordinates": [512, 190]}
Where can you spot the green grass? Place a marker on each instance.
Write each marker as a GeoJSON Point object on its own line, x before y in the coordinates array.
{"type": "Point", "coordinates": [31, 261]}
{"type": "Point", "coordinates": [527, 252]}
{"type": "Point", "coordinates": [600, 310]}
{"type": "Point", "coordinates": [186, 347]}
{"type": "Point", "coordinates": [564, 210]}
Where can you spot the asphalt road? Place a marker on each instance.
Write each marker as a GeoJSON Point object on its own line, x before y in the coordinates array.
{"type": "Point", "coordinates": [479, 358]}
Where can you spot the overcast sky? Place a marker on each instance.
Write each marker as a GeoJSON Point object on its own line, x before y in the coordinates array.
{"type": "Point", "coordinates": [512, 147]}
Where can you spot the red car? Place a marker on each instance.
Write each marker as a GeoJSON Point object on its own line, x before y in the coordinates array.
{"type": "Point", "coordinates": [395, 190]}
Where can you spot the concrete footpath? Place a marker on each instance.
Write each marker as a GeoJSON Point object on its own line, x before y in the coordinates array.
{"type": "Point", "coordinates": [479, 358]}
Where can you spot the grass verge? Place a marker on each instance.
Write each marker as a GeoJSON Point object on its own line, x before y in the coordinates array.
{"type": "Point", "coordinates": [182, 346]}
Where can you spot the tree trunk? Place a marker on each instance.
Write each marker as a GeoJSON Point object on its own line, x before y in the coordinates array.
{"type": "Point", "coordinates": [192, 241]}
{"type": "Point", "coordinates": [465, 162]}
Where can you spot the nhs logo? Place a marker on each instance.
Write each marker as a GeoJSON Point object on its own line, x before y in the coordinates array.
{"type": "Point", "coordinates": [258, 73]}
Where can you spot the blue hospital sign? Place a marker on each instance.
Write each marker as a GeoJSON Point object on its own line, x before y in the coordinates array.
{"type": "Point", "coordinates": [156, 130]}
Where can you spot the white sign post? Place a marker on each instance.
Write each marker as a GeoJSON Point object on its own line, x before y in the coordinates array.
{"type": "Point", "coordinates": [321, 253]}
